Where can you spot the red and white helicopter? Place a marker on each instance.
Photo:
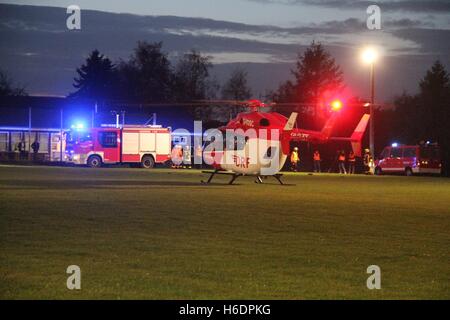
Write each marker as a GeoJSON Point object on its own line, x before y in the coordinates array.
{"type": "Point", "coordinates": [257, 143]}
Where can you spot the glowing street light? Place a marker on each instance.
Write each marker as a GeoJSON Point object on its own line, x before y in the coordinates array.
{"type": "Point", "coordinates": [370, 56]}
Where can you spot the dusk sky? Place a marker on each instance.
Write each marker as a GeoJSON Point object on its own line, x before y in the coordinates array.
{"type": "Point", "coordinates": [266, 36]}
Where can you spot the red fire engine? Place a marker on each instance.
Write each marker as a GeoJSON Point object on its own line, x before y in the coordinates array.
{"type": "Point", "coordinates": [146, 145]}
{"type": "Point", "coordinates": [409, 159]}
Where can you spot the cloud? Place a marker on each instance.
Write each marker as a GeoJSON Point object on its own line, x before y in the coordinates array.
{"type": "Point", "coordinates": [431, 41]}
{"type": "Point", "coordinates": [41, 51]}
{"type": "Point", "coordinates": [438, 6]}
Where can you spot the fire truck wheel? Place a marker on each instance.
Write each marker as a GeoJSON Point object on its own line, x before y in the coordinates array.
{"type": "Point", "coordinates": [147, 162]}
{"type": "Point", "coordinates": [94, 162]}
{"type": "Point", "coordinates": [408, 172]}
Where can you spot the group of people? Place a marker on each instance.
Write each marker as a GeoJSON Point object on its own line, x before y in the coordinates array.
{"type": "Point", "coordinates": [20, 147]}
{"type": "Point", "coordinates": [351, 162]}
{"type": "Point", "coordinates": [182, 157]}
{"type": "Point", "coordinates": [342, 159]}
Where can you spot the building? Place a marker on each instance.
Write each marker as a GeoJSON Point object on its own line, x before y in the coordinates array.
{"type": "Point", "coordinates": [45, 119]}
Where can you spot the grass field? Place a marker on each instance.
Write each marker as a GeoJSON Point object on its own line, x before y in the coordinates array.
{"type": "Point", "coordinates": [160, 234]}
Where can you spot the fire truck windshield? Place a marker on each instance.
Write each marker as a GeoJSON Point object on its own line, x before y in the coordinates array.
{"type": "Point", "coordinates": [79, 136]}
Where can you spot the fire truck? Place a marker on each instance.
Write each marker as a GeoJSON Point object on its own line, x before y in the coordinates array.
{"type": "Point", "coordinates": [144, 145]}
{"type": "Point", "coordinates": [409, 159]}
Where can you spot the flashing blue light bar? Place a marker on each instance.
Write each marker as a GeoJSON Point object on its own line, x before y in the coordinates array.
{"type": "Point", "coordinates": [395, 144]}
{"type": "Point", "coordinates": [78, 126]}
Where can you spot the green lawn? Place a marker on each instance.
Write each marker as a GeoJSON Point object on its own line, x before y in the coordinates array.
{"type": "Point", "coordinates": [160, 234]}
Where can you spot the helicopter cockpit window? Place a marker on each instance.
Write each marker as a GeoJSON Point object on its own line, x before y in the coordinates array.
{"type": "Point", "coordinates": [264, 122]}
{"type": "Point", "coordinates": [235, 142]}
{"type": "Point", "coordinates": [270, 153]}
{"type": "Point", "coordinates": [240, 142]}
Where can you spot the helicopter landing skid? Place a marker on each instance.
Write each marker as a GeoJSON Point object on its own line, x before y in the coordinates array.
{"type": "Point", "coordinates": [234, 176]}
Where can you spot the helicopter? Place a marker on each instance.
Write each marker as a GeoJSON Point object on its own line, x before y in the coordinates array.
{"type": "Point", "coordinates": [257, 143]}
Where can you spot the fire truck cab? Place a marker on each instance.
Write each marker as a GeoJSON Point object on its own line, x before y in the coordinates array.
{"type": "Point", "coordinates": [94, 147]}
{"type": "Point", "coordinates": [409, 159]}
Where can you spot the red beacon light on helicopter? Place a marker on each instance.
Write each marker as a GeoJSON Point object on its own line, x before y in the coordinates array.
{"type": "Point", "coordinates": [336, 105]}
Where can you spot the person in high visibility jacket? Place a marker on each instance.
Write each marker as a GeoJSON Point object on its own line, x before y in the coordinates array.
{"type": "Point", "coordinates": [187, 157]}
{"type": "Point", "coordinates": [316, 161]}
{"type": "Point", "coordinates": [351, 162]}
{"type": "Point", "coordinates": [367, 161]}
{"type": "Point", "coordinates": [341, 162]}
{"type": "Point", "coordinates": [199, 156]}
{"type": "Point", "coordinates": [294, 159]}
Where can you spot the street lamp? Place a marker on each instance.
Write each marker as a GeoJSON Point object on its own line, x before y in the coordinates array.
{"type": "Point", "coordinates": [369, 56]}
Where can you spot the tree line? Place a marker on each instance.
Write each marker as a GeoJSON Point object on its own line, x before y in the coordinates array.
{"type": "Point", "coordinates": [149, 76]}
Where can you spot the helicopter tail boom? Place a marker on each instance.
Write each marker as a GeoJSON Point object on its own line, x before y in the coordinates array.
{"type": "Point", "coordinates": [357, 135]}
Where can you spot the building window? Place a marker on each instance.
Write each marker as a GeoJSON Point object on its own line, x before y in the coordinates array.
{"type": "Point", "coordinates": [3, 141]}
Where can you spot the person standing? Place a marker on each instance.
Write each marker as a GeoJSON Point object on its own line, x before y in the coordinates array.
{"type": "Point", "coordinates": [35, 146]}
{"type": "Point", "coordinates": [199, 156]}
{"type": "Point", "coordinates": [351, 162]}
{"type": "Point", "coordinates": [21, 149]}
{"type": "Point", "coordinates": [341, 162]}
{"type": "Point", "coordinates": [366, 161]}
{"type": "Point", "coordinates": [316, 161]}
{"type": "Point", "coordinates": [187, 161]}
{"type": "Point", "coordinates": [294, 160]}
{"type": "Point", "coordinates": [177, 157]}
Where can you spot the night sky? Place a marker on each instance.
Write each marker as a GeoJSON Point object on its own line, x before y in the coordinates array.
{"type": "Point", "coordinates": [262, 35]}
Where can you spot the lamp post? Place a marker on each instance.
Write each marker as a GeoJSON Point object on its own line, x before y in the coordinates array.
{"type": "Point", "coordinates": [369, 57]}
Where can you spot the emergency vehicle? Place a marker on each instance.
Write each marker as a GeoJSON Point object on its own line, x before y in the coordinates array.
{"type": "Point", "coordinates": [145, 145]}
{"type": "Point", "coordinates": [409, 159]}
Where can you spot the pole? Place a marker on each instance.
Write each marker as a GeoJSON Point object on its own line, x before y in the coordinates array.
{"type": "Point", "coordinates": [61, 137]}
{"type": "Point", "coordinates": [372, 102]}
{"type": "Point", "coordinates": [29, 133]}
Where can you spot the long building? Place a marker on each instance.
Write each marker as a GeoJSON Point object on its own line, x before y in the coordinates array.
{"type": "Point", "coordinates": [24, 120]}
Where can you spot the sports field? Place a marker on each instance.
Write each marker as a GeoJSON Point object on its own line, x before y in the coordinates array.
{"type": "Point", "coordinates": [160, 234]}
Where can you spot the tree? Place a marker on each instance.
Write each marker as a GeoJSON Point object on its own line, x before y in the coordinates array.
{"type": "Point", "coordinates": [434, 101]}
{"type": "Point", "coordinates": [147, 75]}
{"type": "Point", "coordinates": [191, 78]}
{"type": "Point", "coordinates": [316, 74]}
{"type": "Point", "coordinates": [317, 77]}
{"type": "Point", "coordinates": [285, 92]}
{"type": "Point", "coordinates": [95, 77]}
{"type": "Point", "coordinates": [236, 88]}
{"type": "Point", "coordinates": [7, 87]}
{"type": "Point", "coordinates": [192, 81]}
{"type": "Point", "coordinates": [426, 116]}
